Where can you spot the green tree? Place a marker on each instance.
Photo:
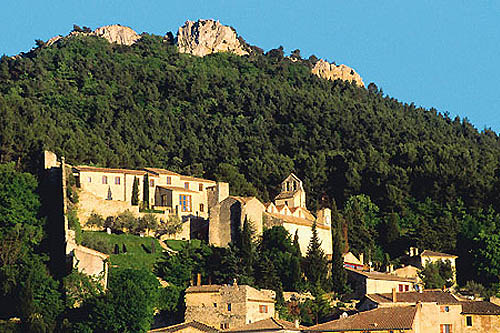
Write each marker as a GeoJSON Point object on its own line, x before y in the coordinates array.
{"type": "Point", "coordinates": [127, 306]}
{"type": "Point", "coordinates": [338, 274]}
{"type": "Point", "coordinates": [314, 263]}
{"type": "Point", "coordinates": [135, 192]}
{"type": "Point", "coordinates": [437, 275]}
{"type": "Point", "coordinates": [145, 192]}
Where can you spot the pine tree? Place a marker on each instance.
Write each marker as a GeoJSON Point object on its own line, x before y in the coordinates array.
{"type": "Point", "coordinates": [338, 274]}
{"type": "Point", "coordinates": [315, 264]}
{"type": "Point", "coordinates": [135, 192]}
{"type": "Point", "coordinates": [145, 194]}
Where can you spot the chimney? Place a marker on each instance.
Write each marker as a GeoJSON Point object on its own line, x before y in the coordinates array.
{"type": "Point", "coordinates": [391, 268]}
{"type": "Point", "coordinates": [362, 258]}
{"type": "Point", "coordinates": [198, 279]}
{"type": "Point", "coordinates": [297, 323]}
{"type": "Point", "coordinates": [394, 295]}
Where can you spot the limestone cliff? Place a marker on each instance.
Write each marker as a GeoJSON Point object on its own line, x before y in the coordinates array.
{"type": "Point", "coordinates": [208, 36]}
{"type": "Point", "coordinates": [113, 33]}
{"type": "Point", "coordinates": [117, 34]}
{"type": "Point", "coordinates": [329, 71]}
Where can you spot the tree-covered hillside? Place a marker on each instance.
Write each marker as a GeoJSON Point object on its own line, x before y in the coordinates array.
{"type": "Point", "coordinates": [253, 119]}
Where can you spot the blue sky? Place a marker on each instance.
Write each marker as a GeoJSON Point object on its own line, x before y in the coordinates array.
{"type": "Point", "coordinates": [441, 54]}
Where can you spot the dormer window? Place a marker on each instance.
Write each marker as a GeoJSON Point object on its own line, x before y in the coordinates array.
{"type": "Point", "coordinates": [186, 185]}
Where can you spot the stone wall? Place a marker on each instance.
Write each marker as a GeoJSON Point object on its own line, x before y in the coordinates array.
{"type": "Point", "coordinates": [89, 203]}
{"type": "Point", "coordinates": [430, 317]}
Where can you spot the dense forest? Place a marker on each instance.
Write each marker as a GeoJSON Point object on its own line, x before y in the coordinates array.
{"type": "Point", "coordinates": [400, 175]}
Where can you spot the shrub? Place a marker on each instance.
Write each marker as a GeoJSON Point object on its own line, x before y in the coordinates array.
{"type": "Point", "coordinates": [96, 220]}
{"type": "Point", "coordinates": [90, 241]}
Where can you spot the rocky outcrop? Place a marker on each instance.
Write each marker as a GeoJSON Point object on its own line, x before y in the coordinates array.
{"type": "Point", "coordinates": [325, 70]}
{"type": "Point", "coordinates": [208, 36]}
{"type": "Point", "coordinates": [112, 33]}
{"type": "Point", "coordinates": [117, 34]}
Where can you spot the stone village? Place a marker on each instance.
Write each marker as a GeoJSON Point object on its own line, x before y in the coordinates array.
{"type": "Point", "coordinates": [392, 301]}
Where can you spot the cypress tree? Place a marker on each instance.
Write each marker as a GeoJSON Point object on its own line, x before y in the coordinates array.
{"type": "Point", "coordinates": [246, 250]}
{"type": "Point", "coordinates": [145, 194]}
{"type": "Point", "coordinates": [295, 271]}
{"type": "Point", "coordinates": [338, 273]}
{"type": "Point", "coordinates": [315, 264]}
{"type": "Point", "coordinates": [135, 192]}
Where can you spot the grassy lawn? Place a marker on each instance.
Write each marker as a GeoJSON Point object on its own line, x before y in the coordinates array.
{"type": "Point", "coordinates": [139, 249]}
{"type": "Point", "coordinates": [176, 245]}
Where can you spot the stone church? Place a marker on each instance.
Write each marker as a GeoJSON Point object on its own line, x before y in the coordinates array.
{"type": "Point", "coordinates": [288, 210]}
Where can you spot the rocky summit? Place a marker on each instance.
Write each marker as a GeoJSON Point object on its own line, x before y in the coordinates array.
{"type": "Point", "coordinates": [208, 36]}
{"type": "Point", "coordinates": [333, 72]}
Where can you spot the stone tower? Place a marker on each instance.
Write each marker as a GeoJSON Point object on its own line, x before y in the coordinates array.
{"type": "Point", "coordinates": [292, 193]}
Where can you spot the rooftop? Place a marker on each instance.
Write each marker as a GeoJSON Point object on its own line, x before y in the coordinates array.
{"type": "Point", "coordinates": [194, 324]}
{"type": "Point", "coordinates": [269, 324]}
{"type": "Point", "coordinates": [428, 253]}
{"type": "Point", "coordinates": [380, 275]}
{"type": "Point", "coordinates": [480, 308]}
{"type": "Point", "coordinates": [437, 296]}
{"type": "Point", "coordinates": [86, 168]}
{"type": "Point", "coordinates": [393, 318]}
{"type": "Point", "coordinates": [176, 189]}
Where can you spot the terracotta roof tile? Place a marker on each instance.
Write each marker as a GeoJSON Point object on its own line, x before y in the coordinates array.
{"type": "Point", "coordinates": [440, 297]}
{"type": "Point", "coordinates": [176, 189]}
{"type": "Point", "coordinates": [436, 254]}
{"type": "Point", "coordinates": [204, 288]}
{"type": "Point", "coordinates": [195, 179]}
{"type": "Point", "coordinates": [393, 318]}
{"type": "Point", "coordinates": [269, 324]}
{"type": "Point", "coordinates": [285, 195]}
{"type": "Point", "coordinates": [480, 308]}
{"type": "Point", "coordinates": [194, 324]}
{"type": "Point", "coordinates": [86, 168]}
{"type": "Point", "coordinates": [380, 275]}
{"type": "Point", "coordinates": [162, 171]}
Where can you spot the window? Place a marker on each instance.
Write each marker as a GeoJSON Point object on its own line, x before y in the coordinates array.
{"type": "Point", "coordinates": [407, 288]}
{"type": "Point", "coordinates": [186, 185]}
{"type": "Point", "coordinates": [117, 180]}
{"type": "Point", "coordinates": [104, 179]}
{"type": "Point", "coordinates": [200, 187]}
{"type": "Point", "coordinates": [169, 180]}
{"type": "Point", "coordinates": [263, 308]}
{"type": "Point", "coordinates": [151, 183]}
{"type": "Point", "coordinates": [202, 208]}
{"type": "Point", "coordinates": [401, 288]}
{"type": "Point", "coordinates": [185, 202]}
{"type": "Point", "coordinates": [89, 179]}
{"type": "Point", "coordinates": [228, 306]}
{"type": "Point", "coordinates": [446, 328]}
{"type": "Point", "coordinates": [468, 321]}
{"type": "Point", "coordinates": [215, 305]}
{"type": "Point", "coordinates": [445, 308]}
{"type": "Point", "coordinates": [224, 326]}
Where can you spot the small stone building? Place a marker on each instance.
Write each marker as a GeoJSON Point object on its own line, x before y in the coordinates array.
{"type": "Point", "coordinates": [188, 327]}
{"type": "Point", "coordinates": [270, 325]}
{"type": "Point", "coordinates": [366, 282]}
{"type": "Point", "coordinates": [228, 306]}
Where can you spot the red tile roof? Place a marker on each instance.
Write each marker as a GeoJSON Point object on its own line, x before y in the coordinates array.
{"type": "Point", "coordinates": [380, 276]}
{"type": "Point", "coordinates": [194, 324]}
{"type": "Point", "coordinates": [436, 254]}
{"type": "Point", "coordinates": [176, 189]}
{"type": "Point", "coordinates": [195, 179]}
{"type": "Point", "coordinates": [480, 308]}
{"type": "Point", "coordinates": [204, 288]}
{"type": "Point", "coordinates": [269, 324]}
{"type": "Point", "coordinates": [393, 318]}
{"type": "Point", "coordinates": [162, 171]}
{"type": "Point", "coordinates": [86, 168]}
{"type": "Point", "coordinates": [438, 296]}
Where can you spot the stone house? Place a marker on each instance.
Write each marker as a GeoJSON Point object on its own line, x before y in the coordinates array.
{"type": "Point", "coordinates": [228, 306]}
{"type": "Point", "coordinates": [108, 192]}
{"type": "Point", "coordinates": [366, 282]}
{"type": "Point", "coordinates": [288, 210]}
{"type": "Point", "coordinates": [228, 216]}
{"type": "Point", "coordinates": [440, 311]}
{"type": "Point", "coordinates": [422, 259]}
